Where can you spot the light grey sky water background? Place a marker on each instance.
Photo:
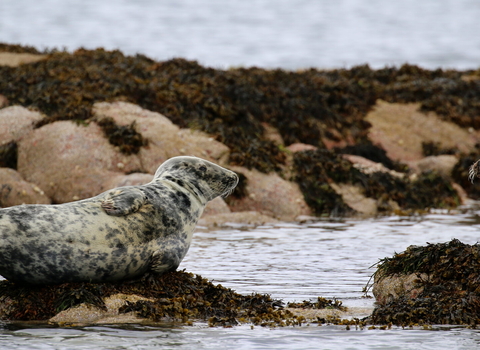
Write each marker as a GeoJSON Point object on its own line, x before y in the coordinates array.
{"type": "Point", "coordinates": [265, 33]}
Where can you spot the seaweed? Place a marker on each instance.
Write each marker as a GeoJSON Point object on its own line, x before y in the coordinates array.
{"type": "Point", "coordinates": [8, 155]}
{"type": "Point", "coordinates": [175, 296]}
{"type": "Point", "coordinates": [434, 149]}
{"type": "Point", "coordinates": [450, 294]}
{"type": "Point", "coordinates": [125, 137]}
{"type": "Point", "coordinates": [315, 169]}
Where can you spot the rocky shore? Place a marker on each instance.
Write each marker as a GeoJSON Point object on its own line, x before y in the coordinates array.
{"type": "Point", "coordinates": [357, 142]}
{"type": "Point", "coordinates": [310, 143]}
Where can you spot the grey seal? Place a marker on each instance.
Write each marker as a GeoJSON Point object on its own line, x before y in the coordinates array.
{"type": "Point", "coordinates": [119, 235]}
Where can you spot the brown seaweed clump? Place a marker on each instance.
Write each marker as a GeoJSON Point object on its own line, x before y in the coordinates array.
{"type": "Point", "coordinates": [8, 155]}
{"type": "Point", "coordinates": [177, 296]}
{"type": "Point", "coordinates": [125, 137]}
{"type": "Point", "coordinates": [316, 169]}
{"type": "Point", "coordinates": [320, 303]}
{"type": "Point", "coordinates": [451, 293]}
{"type": "Point", "coordinates": [307, 106]}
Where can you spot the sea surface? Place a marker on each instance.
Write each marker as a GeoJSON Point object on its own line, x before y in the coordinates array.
{"type": "Point", "coordinates": [266, 33]}
{"type": "Point", "coordinates": [292, 262]}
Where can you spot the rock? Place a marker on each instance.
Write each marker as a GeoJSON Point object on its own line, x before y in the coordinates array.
{"type": "Point", "coordinates": [3, 101]}
{"type": "Point", "coordinates": [16, 122]}
{"type": "Point", "coordinates": [368, 166]}
{"type": "Point", "coordinates": [353, 196]}
{"type": "Point", "coordinates": [216, 206]}
{"type": "Point", "coordinates": [12, 59]}
{"type": "Point", "coordinates": [400, 129]}
{"type": "Point", "coordinates": [298, 147]}
{"type": "Point", "coordinates": [389, 288]}
{"type": "Point", "coordinates": [247, 218]}
{"type": "Point", "coordinates": [271, 133]}
{"type": "Point", "coordinates": [14, 190]}
{"type": "Point", "coordinates": [70, 161]}
{"type": "Point", "coordinates": [84, 314]}
{"type": "Point", "coordinates": [462, 194]}
{"type": "Point", "coordinates": [443, 164]}
{"type": "Point", "coordinates": [270, 195]}
{"type": "Point", "coordinates": [165, 140]}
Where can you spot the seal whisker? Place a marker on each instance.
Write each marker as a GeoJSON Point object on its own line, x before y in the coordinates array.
{"type": "Point", "coordinates": [473, 171]}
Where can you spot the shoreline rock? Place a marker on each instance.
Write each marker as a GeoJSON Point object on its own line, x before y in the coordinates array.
{"type": "Point", "coordinates": [432, 284]}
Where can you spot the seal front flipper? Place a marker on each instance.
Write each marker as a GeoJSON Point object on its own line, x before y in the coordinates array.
{"type": "Point", "coordinates": [123, 201]}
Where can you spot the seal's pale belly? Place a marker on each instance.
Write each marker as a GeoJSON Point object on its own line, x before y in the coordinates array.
{"type": "Point", "coordinates": [118, 235]}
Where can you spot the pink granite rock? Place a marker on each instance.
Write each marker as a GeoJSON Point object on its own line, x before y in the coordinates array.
{"type": "Point", "coordinates": [14, 190]}
{"type": "Point", "coordinates": [270, 195]}
{"type": "Point", "coordinates": [165, 140]}
{"type": "Point", "coordinates": [16, 122]}
{"type": "Point", "coordinates": [70, 161]}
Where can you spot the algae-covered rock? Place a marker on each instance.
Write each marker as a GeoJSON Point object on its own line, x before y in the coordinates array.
{"type": "Point", "coordinates": [329, 181]}
{"type": "Point", "coordinates": [402, 129]}
{"type": "Point", "coordinates": [174, 297]}
{"type": "Point", "coordinates": [156, 138]}
{"type": "Point", "coordinates": [432, 284]}
{"type": "Point", "coordinates": [255, 113]}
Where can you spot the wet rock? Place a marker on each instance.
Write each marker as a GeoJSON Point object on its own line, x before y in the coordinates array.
{"type": "Point", "coordinates": [443, 164]}
{"type": "Point", "coordinates": [248, 218]}
{"type": "Point", "coordinates": [14, 190]}
{"type": "Point", "coordinates": [389, 288]}
{"type": "Point", "coordinates": [354, 197]}
{"type": "Point", "coordinates": [165, 140]}
{"type": "Point", "coordinates": [70, 161]}
{"type": "Point", "coordinates": [16, 122]}
{"type": "Point", "coordinates": [270, 195]}
{"type": "Point", "coordinates": [432, 284]}
{"type": "Point", "coordinates": [401, 129]}
{"type": "Point", "coordinates": [85, 314]}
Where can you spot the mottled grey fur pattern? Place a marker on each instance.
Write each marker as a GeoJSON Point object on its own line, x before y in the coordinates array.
{"type": "Point", "coordinates": [118, 235]}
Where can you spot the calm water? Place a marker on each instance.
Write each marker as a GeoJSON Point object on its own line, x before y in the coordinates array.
{"type": "Point", "coordinates": [290, 262]}
{"type": "Point", "coordinates": [266, 33]}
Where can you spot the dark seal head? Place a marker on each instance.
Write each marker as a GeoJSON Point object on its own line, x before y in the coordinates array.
{"type": "Point", "coordinates": [118, 235]}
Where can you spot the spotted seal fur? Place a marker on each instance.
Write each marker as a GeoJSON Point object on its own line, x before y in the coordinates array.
{"type": "Point", "coordinates": [118, 235]}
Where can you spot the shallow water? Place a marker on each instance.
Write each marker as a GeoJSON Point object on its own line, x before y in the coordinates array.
{"type": "Point", "coordinates": [329, 258]}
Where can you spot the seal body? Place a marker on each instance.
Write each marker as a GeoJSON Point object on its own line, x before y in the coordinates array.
{"type": "Point", "coordinates": [118, 235]}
